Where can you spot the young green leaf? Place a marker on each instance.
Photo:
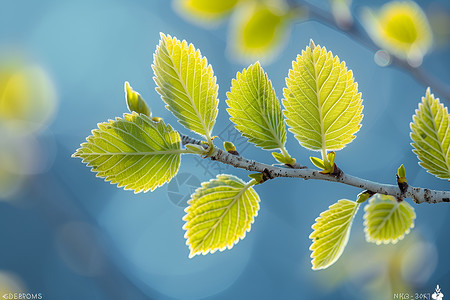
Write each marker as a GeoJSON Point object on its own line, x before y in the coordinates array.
{"type": "Point", "coordinates": [284, 158]}
{"type": "Point", "coordinates": [386, 220]}
{"type": "Point", "coordinates": [401, 173]}
{"type": "Point", "coordinates": [317, 162]}
{"type": "Point", "coordinates": [133, 151]}
{"type": "Point", "coordinates": [187, 84]}
{"type": "Point", "coordinates": [430, 132]}
{"type": "Point", "coordinates": [230, 148]}
{"type": "Point", "coordinates": [331, 233]}
{"type": "Point", "coordinates": [196, 149]}
{"type": "Point", "coordinates": [135, 101]}
{"type": "Point", "coordinates": [255, 109]}
{"type": "Point", "coordinates": [322, 103]}
{"type": "Point", "coordinates": [259, 177]}
{"type": "Point", "coordinates": [220, 212]}
{"type": "Point", "coordinates": [364, 196]}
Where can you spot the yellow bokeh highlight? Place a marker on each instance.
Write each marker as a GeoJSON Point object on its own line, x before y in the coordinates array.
{"type": "Point", "coordinates": [205, 11]}
{"type": "Point", "coordinates": [27, 96]}
{"type": "Point", "coordinates": [259, 30]}
{"type": "Point", "coordinates": [402, 29]}
{"type": "Point", "coordinates": [27, 105]}
{"type": "Point", "coordinates": [10, 284]}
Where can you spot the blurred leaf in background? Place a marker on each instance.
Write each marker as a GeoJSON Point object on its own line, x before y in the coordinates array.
{"type": "Point", "coordinates": [401, 28]}
{"type": "Point", "coordinates": [342, 13]}
{"type": "Point", "coordinates": [27, 105]}
{"type": "Point", "coordinates": [27, 95]}
{"type": "Point", "coordinates": [440, 24]}
{"type": "Point", "coordinates": [258, 28]}
{"type": "Point", "coordinates": [205, 12]}
{"type": "Point", "coordinates": [10, 284]}
{"type": "Point", "coordinates": [379, 272]}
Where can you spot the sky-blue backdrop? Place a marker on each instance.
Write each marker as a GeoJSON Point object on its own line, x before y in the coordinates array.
{"type": "Point", "coordinates": [70, 236]}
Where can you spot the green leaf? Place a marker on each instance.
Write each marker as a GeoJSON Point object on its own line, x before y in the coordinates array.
{"type": "Point", "coordinates": [322, 103]}
{"type": "Point", "coordinates": [134, 152]}
{"type": "Point", "coordinates": [364, 196]}
{"type": "Point", "coordinates": [187, 84]}
{"type": "Point", "coordinates": [386, 220]}
{"type": "Point", "coordinates": [219, 214]}
{"type": "Point", "coordinates": [255, 109]}
{"type": "Point", "coordinates": [431, 136]}
{"type": "Point", "coordinates": [284, 158]}
{"type": "Point", "coordinates": [259, 177]}
{"type": "Point", "coordinates": [331, 233]}
{"type": "Point", "coordinates": [400, 27]}
{"type": "Point", "coordinates": [317, 162]}
{"type": "Point", "coordinates": [135, 102]}
{"type": "Point", "coordinates": [401, 173]}
{"type": "Point", "coordinates": [196, 149]}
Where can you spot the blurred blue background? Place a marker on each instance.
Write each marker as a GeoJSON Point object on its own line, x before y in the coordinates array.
{"type": "Point", "coordinates": [69, 235]}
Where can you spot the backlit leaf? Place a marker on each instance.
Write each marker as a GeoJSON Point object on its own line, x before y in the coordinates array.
{"type": "Point", "coordinates": [219, 214]}
{"type": "Point", "coordinates": [135, 102]}
{"type": "Point", "coordinates": [331, 233]}
{"type": "Point", "coordinates": [187, 84]}
{"type": "Point", "coordinates": [255, 109]}
{"type": "Point", "coordinates": [386, 220]}
{"type": "Point", "coordinates": [402, 28]}
{"type": "Point", "coordinates": [134, 152]}
{"type": "Point", "coordinates": [322, 103]}
{"type": "Point", "coordinates": [430, 132]}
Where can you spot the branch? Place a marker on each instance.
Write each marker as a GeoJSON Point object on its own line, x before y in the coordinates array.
{"type": "Point", "coordinates": [419, 195]}
{"type": "Point", "coordinates": [355, 32]}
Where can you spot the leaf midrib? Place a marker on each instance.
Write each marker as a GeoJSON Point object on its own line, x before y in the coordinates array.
{"type": "Point", "coordinates": [207, 135]}
{"type": "Point", "coordinates": [261, 109]}
{"type": "Point", "coordinates": [428, 107]}
{"type": "Point", "coordinates": [244, 188]}
{"type": "Point", "coordinates": [318, 104]}
{"type": "Point", "coordinates": [340, 237]}
{"type": "Point", "coordinates": [392, 211]}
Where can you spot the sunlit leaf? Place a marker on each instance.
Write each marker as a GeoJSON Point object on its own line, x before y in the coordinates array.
{"type": "Point", "coordinates": [331, 233]}
{"type": "Point", "coordinates": [134, 152]}
{"type": "Point", "coordinates": [401, 28]}
{"type": "Point", "coordinates": [135, 102]}
{"type": "Point", "coordinates": [430, 132]}
{"type": "Point", "coordinates": [205, 10]}
{"type": "Point", "coordinates": [255, 109]}
{"type": "Point", "coordinates": [386, 220]}
{"type": "Point", "coordinates": [322, 103]}
{"type": "Point", "coordinates": [219, 214]}
{"type": "Point", "coordinates": [187, 84]}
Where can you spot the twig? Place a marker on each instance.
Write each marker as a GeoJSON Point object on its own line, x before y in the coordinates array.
{"type": "Point", "coordinates": [419, 195]}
